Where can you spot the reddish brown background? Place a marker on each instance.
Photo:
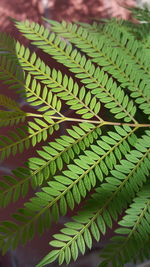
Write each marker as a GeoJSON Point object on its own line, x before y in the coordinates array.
{"type": "Point", "coordinates": [82, 10]}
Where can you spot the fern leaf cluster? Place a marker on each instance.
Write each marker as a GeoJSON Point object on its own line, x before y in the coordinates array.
{"type": "Point", "coordinates": [115, 55]}
{"type": "Point", "coordinates": [106, 163]}
{"type": "Point", "coordinates": [92, 76]}
{"type": "Point", "coordinates": [133, 226]}
{"type": "Point", "coordinates": [106, 205]}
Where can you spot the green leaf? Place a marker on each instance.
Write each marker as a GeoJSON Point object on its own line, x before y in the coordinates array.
{"type": "Point", "coordinates": [87, 238]}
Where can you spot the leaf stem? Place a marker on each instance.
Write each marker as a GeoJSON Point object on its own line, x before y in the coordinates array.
{"type": "Point", "coordinates": [128, 124]}
{"type": "Point", "coordinates": [91, 121]}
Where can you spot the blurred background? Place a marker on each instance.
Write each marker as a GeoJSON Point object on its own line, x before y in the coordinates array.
{"type": "Point", "coordinates": [70, 10]}
{"type": "Point", "coordinates": [82, 10]}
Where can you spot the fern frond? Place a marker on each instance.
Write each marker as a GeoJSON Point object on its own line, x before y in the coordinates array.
{"type": "Point", "coordinates": [129, 46]}
{"type": "Point", "coordinates": [37, 96]}
{"type": "Point", "coordinates": [103, 87]}
{"type": "Point", "coordinates": [25, 136]}
{"type": "Point", "coordinates": [9, 103]}
{"type": "Point", "coordinates": [110, 73]}
{"type": "Point", "coordinates": [134, 231]}
{"type": "Point", "coordinates": [11, 73]}
{"type": "Point", "coordinates": [134, 51]}
{"type": "Point", "coordinates": [81, 176]}
{"type": "Point", "coordinates": [113, 33]}
{"type": "Point", "coordinates": [105, 207]}
{"type": "Point", "coordinates": [13, 142]}
{"type": "Point", "coordinates": [53, 157]}
{"type": "Point", "coordinates": [65, 87]}
{"type": "Point", "coordinates": [74, 184]}
{"type": "Point", "coordinates": [31, 90]}
{"type": "Point", "coordinates": [9, 118]}
{"type": "Point", "coordinates": [11, 187]}
{"type": "Point", "coordinates": [6, 43]}
{"type": "Point", "coordinates": [122, 45]}
{"type": "Point", "coordinates": [141, 14]}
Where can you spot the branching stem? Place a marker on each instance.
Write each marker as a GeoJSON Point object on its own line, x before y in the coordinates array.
{"type": "Point", "coordinates": [91, 121]}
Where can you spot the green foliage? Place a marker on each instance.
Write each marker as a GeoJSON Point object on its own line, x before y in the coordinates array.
{"type": "Point", "coordinates": [107, 77]}
{"type": "Point", "coordinates": [141, 14]}
{"type": "Point", "coordinates": [133, 233]}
